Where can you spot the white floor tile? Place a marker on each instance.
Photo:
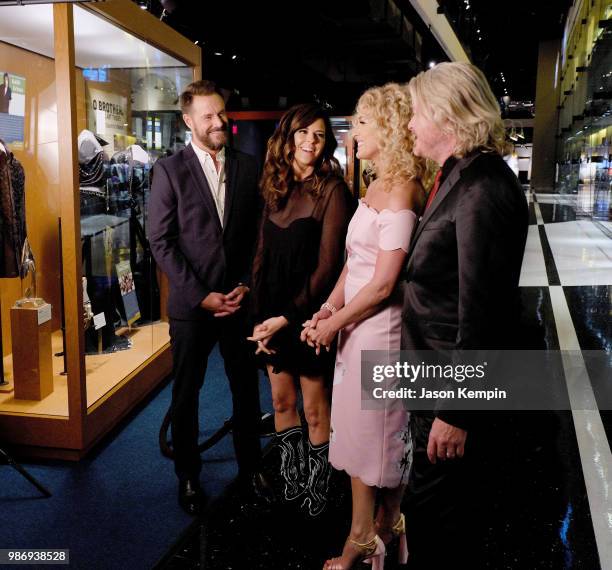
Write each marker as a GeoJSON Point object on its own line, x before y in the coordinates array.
{"type": "Point", "coordinates": [569, 199]}
{"type": "Point", "coordinates": [582, 253]}
{"type": "Point", "coordinates": [533, 272]}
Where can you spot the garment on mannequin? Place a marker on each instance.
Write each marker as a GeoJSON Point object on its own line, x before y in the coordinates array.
{"type": "Point", "coordinates": [128, 194]}
{"type": "Point", "coordinates": [94, 181]}
{"type": "Point", "coordinates": [93, 163]}
{"type": "Point", "coordinates": [93, 174]}
{"type": "Point", "coordinates": [12, 213]}
{"type": "Point", "coordinates": [139, 154]}
{"type": "Point", "coordinates": [89, 145]}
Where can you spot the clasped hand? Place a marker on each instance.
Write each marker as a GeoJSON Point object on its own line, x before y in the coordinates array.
{"type": "Point", "coordinates": [319, 331]}
{"type": "Point", "coordinates": [263, 332]}
{"type": "Point", "coordinates": [221, 305]}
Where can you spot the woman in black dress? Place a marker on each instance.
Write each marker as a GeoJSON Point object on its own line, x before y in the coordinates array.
{"type": "Point", "coordinates": [300, 254]}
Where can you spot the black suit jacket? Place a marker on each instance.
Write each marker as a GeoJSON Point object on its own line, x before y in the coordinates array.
{"type": "Point", "coordinates": [187, 240]}
{"type": "Point", "coordinates": [464, 264]}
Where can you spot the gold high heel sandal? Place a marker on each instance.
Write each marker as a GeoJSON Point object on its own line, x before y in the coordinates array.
{"type": "Point", "coordinates": [371, 552]}
{"type": "Point", "coordinates": [398, 530]}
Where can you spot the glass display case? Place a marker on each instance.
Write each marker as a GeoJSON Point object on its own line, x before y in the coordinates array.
{"type": "Point", "coordinates": [93, 104]}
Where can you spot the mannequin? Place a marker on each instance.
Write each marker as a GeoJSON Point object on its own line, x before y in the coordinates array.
{"type": "Point", "coordinates": [96, 223]}
{"type": "Point", "coordinates": [12, 213]}
{"type": "Point", "coordinates": [127, 198]}
{"type": "Point", "coordinates": [13, 244]}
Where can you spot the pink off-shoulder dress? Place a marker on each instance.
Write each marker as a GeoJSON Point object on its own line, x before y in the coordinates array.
{"type": "Point", "coordinates": [371, 444]}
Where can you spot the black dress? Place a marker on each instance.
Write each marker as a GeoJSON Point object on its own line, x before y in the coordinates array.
{"type": "Point", "coordinates": [299, 257]}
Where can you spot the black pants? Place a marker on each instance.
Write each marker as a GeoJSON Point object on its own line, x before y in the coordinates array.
{"type": "Point", "coordinates": [192, 342]}
{"type": "Point", "coordinates": [496, 507]}
{"type": "Point", "coordinates": [443, 505]}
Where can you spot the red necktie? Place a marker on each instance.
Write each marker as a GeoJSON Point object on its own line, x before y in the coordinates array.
{"type": "Point", "coordinates": [434, 189]}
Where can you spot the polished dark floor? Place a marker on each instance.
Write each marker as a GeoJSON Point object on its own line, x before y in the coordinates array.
{"type": "Point", "coordinates": [531, 512]}
{"type": "Point", "coordinates": [552, 213]}
{"type": "Point", "coordinates": [531, 509]}
{"type": "Point", "coordinates": [591, 310]}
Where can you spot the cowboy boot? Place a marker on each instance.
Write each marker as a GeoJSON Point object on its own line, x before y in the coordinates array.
{"type": "Point", "coordinates": [318, 479]}
{"type": "Point", "coordinates": [290, 443]}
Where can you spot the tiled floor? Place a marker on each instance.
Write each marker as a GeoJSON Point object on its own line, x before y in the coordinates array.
{"type": "Point", "coordinates": [582, 308]}
{"type": "Point", "coordinates": [548, 503]}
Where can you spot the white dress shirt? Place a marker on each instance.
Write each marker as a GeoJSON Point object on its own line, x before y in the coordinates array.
{"type": "Point", "coordinates": [216, 180]}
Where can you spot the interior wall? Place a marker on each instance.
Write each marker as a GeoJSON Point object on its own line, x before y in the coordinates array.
{"type": "Point", "coordinates": [41, 163]}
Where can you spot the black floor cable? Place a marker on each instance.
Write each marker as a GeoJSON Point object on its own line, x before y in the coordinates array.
{"type": "Point", "coordinates": [165, 444]}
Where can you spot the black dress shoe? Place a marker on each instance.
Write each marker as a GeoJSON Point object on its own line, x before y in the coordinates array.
{"type": "Point", "coordinates": [266, 425]}
{"type": "Point", "coordinates": [263, 488]}
{"type": "Point", "coordinates": [191, 496]}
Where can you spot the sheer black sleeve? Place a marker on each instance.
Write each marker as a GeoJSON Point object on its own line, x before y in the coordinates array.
{"type": "Point", "coordinates": [256, 278]}
{"type": "Point", "coordinates": [337, 208]}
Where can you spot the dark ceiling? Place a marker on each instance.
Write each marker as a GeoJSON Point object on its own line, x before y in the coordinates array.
{"type": "Point", "coordinates": [511, 32]}
{"type": "Point", "coordinates": [331, 50]}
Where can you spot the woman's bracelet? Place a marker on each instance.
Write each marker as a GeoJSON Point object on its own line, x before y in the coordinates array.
{"type": "Point", "coordinates": [327, 305]}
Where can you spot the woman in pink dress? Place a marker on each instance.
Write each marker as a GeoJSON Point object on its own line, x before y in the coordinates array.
{"type": "Point", "coordinates": [372, 446]}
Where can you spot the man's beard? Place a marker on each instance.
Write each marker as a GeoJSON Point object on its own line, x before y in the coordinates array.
{"type": "Point", "coordinates": [213, 143]}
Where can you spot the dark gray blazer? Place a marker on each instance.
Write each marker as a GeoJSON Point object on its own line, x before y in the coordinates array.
{"type": "Point", "coordinates": [187, 240]}
{"type": "Point", "coordinates": [464, 261]}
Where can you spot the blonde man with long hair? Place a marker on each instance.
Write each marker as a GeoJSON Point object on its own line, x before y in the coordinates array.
{"type": "Point", "coordinates": [462, 278]}
{"type": "Point", "coordinates": [372, 446]}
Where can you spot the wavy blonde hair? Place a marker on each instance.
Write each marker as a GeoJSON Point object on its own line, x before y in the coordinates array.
{"type": "Point", "coordinates": [390, 108]}
{"type": "Point", "coordinates": [457, 97]}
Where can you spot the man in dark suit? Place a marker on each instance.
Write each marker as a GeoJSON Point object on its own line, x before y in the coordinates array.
{"type": "Point", "coordinates": [203, 218]}
{"type": "Point", "coordinates": [462, 277]}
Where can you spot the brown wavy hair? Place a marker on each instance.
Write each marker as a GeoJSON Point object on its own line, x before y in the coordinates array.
{"type": "Point", "coordinates": [278, 175]}
{"type": "Point", "coordinates": [202, 87]}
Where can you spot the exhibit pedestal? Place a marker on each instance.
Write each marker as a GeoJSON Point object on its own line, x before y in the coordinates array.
{"type": "Point", "coordinates": [31, 333]}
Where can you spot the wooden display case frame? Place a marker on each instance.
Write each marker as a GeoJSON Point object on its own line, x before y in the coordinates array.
{"type": "Point", "coordinates": [73, 436]}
